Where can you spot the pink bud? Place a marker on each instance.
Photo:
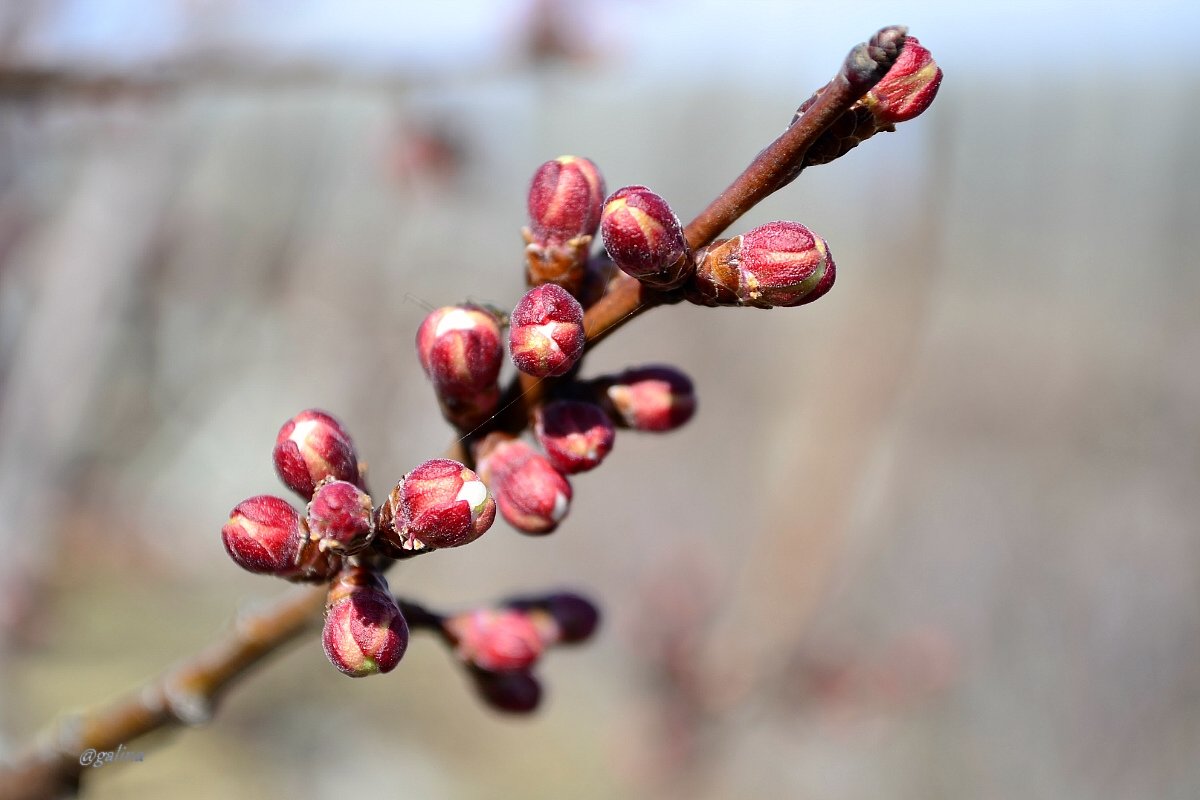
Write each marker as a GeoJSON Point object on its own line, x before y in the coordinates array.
{"type": "Point", "coordinates": [565, 198]}
{"type": "Point", "coordinates": [341, 518]}
{"type": "Point", "coordinates": [311, 447]}
{"type": "Point", "coordinates": [530, 493]}
{"type": "Point", "coordinates": [644, 238]}
{"type": "Point", "coordinates": [439, 504]}
{"type": "Point", "coordinates": [264, 534]}
{"type": "Point", "coordinates": [909, 86]}
{"type": "Point", "coordinates": [510, 692]}
{"type": "Point", "coordinates": [576, 436]}
{"type": "Point", "coordinates": [651, 398]}
{"type": "Point", "coordinates": [777, 264]}
{"type": "Point", "coordinates": [460, 349]}
{"type": "Point", "coordinates": [546, 337]}
{"type": "Point", "coordinates": [495, 641]}
{"type": "Point", "coordinates": [365, 633]}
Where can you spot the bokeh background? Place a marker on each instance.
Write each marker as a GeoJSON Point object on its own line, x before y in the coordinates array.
{"type": "Point", "coordinates": [934, 536]}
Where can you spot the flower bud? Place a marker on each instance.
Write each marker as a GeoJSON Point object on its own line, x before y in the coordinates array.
{"type": "Point", "coordinates": [264, 534]}
{"type": "Point", "coordinates": [439, 504]}
{"type": "Point", "coordinates": [495, 640]}
{"type": "Point", "coordinates": [565, 197]}
{"type": "Point", "coordinates": [311, 447]}
{"type": "Point", "coordinates": [365, 633]}
{"type": "Point", "coordinates": [576, 436]}
{"type": "Point", "coordinates": [644, 238]}
{"type": "Point", "coordinates": [650, 398]}
{"type": "Point", "coordinates": [511, 692]}
{"type": "Point", "coordinates": [546, 336]}
{"type": "Point", "coordinates": [460, 350]}
{"type": "Point", "coordinates": [341, 518]}
{"type": "Point", "coordinates": [777, 264]}
{"type": "Point", "coordinates": [530, 493]}
{"type": "Point", "coordinates": [577, 617]}
{"type": "Point", "coordinates": [561, 618]}
{"type": "Point", "coordinates": [908, 88]}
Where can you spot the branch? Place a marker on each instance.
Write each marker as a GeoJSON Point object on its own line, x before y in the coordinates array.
{"type": "Point", "coordinates": [188, 694]}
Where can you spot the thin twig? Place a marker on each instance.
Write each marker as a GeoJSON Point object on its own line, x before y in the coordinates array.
{"type": "Point", "coordinates": [188, 694]}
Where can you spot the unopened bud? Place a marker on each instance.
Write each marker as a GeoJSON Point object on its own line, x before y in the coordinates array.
{"type": "Point", "coordinates": [460, 350]}
{"type": "Point", "coordinates": [908, 88]}
{"type": "Point", "coordinates": [546, 334]}
{"type": "Point", "coordinates": [311, 447]}
{"type": "Point", "coordinates": [530, 493]}
{"type": "Point", "coordinates": [495, 640]}
{"type": "Point", "coordinates": [510, 692]}
{"type": "Point", "coordinates": [575, 435]}
{"type": "Point", "coordinates": [565, 198]}
{"type": "Point", "coordinates": [644, 237]}
{"type": "Point", "coordinates": [777, 264]}
{"type": "Point", "coordinates": [266, 535]}
{"type": "Point", "coordinates": [650, 398]}
{"type": "Point", "coordinates": [439, 504]}
{"type": "Point", "coordinates": [562, 617]}
{"type": "Point", "coordinates": [365, 633]}
{"type": "Point", "coordinates": [341, 518]}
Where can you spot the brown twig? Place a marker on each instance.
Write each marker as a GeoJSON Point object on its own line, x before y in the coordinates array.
{"type": "Point", "coordinates": [187, 694]}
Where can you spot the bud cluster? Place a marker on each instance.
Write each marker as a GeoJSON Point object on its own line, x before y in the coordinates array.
{"type": "Point", "coordinates": [501, 646]}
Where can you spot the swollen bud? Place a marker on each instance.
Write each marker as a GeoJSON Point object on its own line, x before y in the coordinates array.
{"type": "Point", "coordinates": [565, 197]}
{"type": "Point", "coordinates": [460, 350]}
{"type": "Point", "coordinates": [495, 640]}
{"type": "Point", "coordinates": [908, 88]}
{"type": "Point", "coordinates": [777, 264]}
{"type": "Point", "coordinates": [439, 504]}
{"type": "Point", "coordinates": [311, 447]}
{"type": "Point", "coordinates": [575, 435]}
{"type": "Point", "coordinates": [341, 518]}
{"type": "Point", "coordinates": [266, 535]}
{"type": "Point", "coordinates": [644, 237]}
{"type": "Point", "coordinates": [365, 633]}
{"type": "Point", "coordinates": [562, 617]}
{"type": "Point", "coordinates": [511, 692]}
{"type": "Point", "coordinates": [530, 493]}
{"type": "Point", "coordinates": [650, 398]}
{"type": "Point", "coordinates": [546, 335]}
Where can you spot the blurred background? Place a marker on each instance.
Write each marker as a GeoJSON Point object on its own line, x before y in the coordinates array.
{"type": "Point", "coordinates": [933, 536]}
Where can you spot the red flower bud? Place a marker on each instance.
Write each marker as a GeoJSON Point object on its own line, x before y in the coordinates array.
{"type": "Point", "coordinates": [460, 349]}
{"type": "Point", "coordinates": [311, 447]}
{"type": "Point", "coordinates": [546, 337]}
{"type": "Point", "coordinates": [576, 436]}
{"type": "Point", "coordinates": [441, 503]}
{"type": "Point", "coordinates": [365, 633]}
{"type": "Point", "coordinates": [496, 641]}
{"type": "Point", "coordinates": [530, 493]}
{"type": "Point", "coordinates": [908, 88]}
{"type": "Point", "coordinates": [644, 238]}
{"type": "Point", "coordinates": [341, 518]}
{"type": "Point", "coordinates": [511, 692]}
{"type": "Point", "coordinates": [565, 199]}
{"type": "Point", "coordinates": [651, 398]}
{"type": "Point", "coordinates": [777, 264]}
{"type": "Point", "coordinates": [266, 535]}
